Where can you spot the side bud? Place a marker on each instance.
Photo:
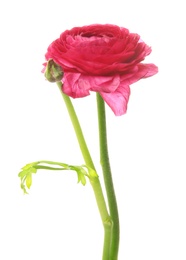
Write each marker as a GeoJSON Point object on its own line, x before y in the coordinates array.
{"type": "Point", "coordinates": [53, 72]}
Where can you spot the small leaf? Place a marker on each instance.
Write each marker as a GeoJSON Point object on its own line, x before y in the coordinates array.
{"type": "Point", "coordinates": [28, 166]}
{"type": "Point", "coordinates": [32, 170]}
{"type": "Point", "coordinates": [81, 173]}
{"type": "Point", "coordinates": [26, 176]}
{"type": "Point", "coordinates": [22, 174]}
{"type": "Point", "coordinates": [23, 188]}
{"type": "Point", "coordinates": [81, 178]}
{"type": "Point", "coordinates": [29, 180]}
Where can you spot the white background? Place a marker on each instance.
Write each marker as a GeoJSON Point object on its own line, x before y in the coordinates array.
{"type": "Point", "coordinates": [59, 219]}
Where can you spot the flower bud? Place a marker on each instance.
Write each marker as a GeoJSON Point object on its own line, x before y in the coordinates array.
{"type": "Point", "coordinates": [53, 72]}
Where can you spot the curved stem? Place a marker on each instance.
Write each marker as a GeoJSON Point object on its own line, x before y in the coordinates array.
{"type": "Point", "coordinates": [77, 128]}
{"type": "Point", "coordinates": [104, 160]}
{"type": "Point", "coordinates": [95, 183]}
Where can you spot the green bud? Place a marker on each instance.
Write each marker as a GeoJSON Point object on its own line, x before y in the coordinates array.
{"type": "Point", "coordinates": [53, 72]}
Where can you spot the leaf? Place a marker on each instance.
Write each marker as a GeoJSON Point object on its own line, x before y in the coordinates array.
{"type": "Point", "coordinates": [81, 176]}
{"type": "Point", "coordinates": [26, 176]}
{"type": "Point", "coordinates": [28, 166]}
{"type": "Point", "coordinates": [23, 188]}
{"type": "Point", "coordinates": [22, 174]}
{"type": "Point", "coordinates": [29, 180]}
{"type": "Point", "coordinates": [81, 173]}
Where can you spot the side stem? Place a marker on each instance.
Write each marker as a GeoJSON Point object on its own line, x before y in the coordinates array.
{"type": "Point", "coordinates": [95, 183]}
{"type": "Point", "coordinates": [104, 160]}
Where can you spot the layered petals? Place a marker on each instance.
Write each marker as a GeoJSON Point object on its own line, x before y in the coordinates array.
{"type": "Point", "coordinates": [75, 85]}
{"type": "Point", "coordinates": [78, 85]}
{"type": "Point", "coordinates": [101, 58]}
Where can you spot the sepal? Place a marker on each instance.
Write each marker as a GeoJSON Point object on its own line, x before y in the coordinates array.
{"type": "Point", "coordinates": [53, 71]}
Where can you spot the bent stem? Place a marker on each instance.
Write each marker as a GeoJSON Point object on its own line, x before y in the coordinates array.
{"type": "Point", "coordinates": [104, 160]}
{"type": "Point", "coordinates": [107, 224]}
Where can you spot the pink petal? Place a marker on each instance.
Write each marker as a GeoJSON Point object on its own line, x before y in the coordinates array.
{"type": "Point", "coordinates": [74, 86]}
{"type": "Point", "coordinates": [142, 71]}
{"type": "Point", "coordinates": [117, 100]}
{"type": "Point", "coordinates": [78, 85]}
{"type": "Point", "coordinates": [103, 83]}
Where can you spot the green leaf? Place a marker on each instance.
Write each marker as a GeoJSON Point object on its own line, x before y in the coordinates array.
{"type": "Point", "coordinates": [23, 188]}
{"type": "Point", "coordinates": [26, 176]}
{"type": "Point", "coordinates": [22, 174]}
{"type": "Point", "coordinates": [81, 175]}
{"type": "Point", "coordinates": [28, 166]}
{"type": "Point", "coordinates": [29, 180]}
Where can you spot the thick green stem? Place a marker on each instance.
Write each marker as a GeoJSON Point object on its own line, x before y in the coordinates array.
{"type": "Point", "coordinates": [95, 183]}
{"type": "Point", "coordinates": [104, 160]}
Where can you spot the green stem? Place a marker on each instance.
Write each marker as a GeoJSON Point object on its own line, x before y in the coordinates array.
{"type": "Point", "coordinates": [95, 183]}
{"type": "Point", "coordinates": [104, 160]}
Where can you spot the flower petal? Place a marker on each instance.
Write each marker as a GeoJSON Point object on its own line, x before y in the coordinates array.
{"type": "Point", "coordinates": [103, 83]}
{"type": "Point", "coordinates": [118, 99]}
{"type": "Point", "coordinates": [142, 71]}
{"type": "Point", "coordinates": [74, 86]}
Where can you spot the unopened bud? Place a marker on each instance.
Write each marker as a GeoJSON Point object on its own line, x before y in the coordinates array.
{"type": "Point", "coordinates": [53, 72]}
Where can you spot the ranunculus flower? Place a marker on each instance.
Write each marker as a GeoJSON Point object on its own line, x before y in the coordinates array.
{"type": "Point", "coordinates": [102, 58]}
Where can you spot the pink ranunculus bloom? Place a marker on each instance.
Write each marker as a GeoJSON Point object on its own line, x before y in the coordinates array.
{"type": "Point", "coordinates": [101, 58]}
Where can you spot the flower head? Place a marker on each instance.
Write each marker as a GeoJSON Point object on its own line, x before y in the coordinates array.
{"type": "Point", "coordinates": [101, 58]}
